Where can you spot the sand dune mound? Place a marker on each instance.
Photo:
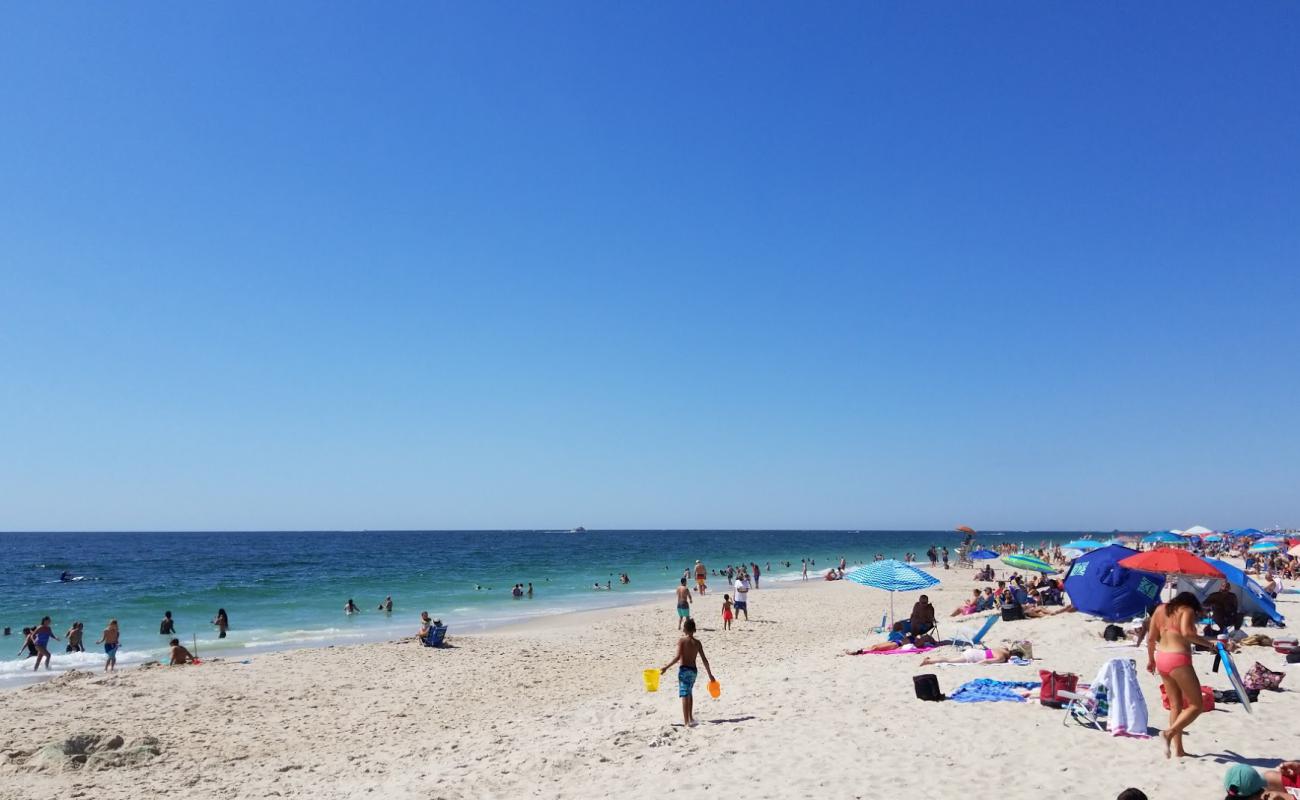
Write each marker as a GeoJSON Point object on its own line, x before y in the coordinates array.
{"type": "Point", "coordinates": [86, 751]}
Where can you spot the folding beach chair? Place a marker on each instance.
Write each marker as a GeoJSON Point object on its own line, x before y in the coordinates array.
{"type": "Point", "coordinates": [884, 624]}
{"type": "Point", "coordinates": [436, 636]}
{"type": "Point", "coordinates": [964, 639]}
{"type": "Point", "coordinates": [1087, 706]}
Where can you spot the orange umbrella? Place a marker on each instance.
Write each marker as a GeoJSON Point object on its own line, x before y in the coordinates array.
{"type": "Point", "coordinates": [965, 529]}
{"type": "Point", "coordinates": [1171, 561]}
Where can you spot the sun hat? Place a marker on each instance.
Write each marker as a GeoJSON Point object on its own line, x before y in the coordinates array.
{"type": "Point", "coordinates": [1243, 780]}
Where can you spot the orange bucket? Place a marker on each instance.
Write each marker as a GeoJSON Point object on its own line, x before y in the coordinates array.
{"type": "Point", "coordinates": [715, 689]}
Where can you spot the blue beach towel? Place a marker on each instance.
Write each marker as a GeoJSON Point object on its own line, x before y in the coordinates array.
{"type": "Point", "coordinates": [987, 690]}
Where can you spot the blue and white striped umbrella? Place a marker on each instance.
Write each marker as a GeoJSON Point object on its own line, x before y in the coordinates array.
{"type": "Point", "coordinates": [892, 576]}
{"type": "Point", "coordinates": [1265, 547]}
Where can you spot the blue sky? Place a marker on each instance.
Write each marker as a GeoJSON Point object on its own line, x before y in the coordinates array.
{"type": "Point", "coordinates": [422, 265]}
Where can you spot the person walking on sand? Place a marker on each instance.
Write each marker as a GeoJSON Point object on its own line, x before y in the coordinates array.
{"type": "Point", "coordinates": [742, 595]}
{"type": "Point", "coordinates": [1169, 653]}
{"type": "Point", "coordinates": [223, 622]}
{"type": "Point", "coordinates": [111, 639]}
{"type": "Point", "coordinates": [42, 636]}
{"type": "Point", "coordinates": [683, 604]}
{"type": "Point", "coordinates": [945, 558]}
{"type": "Point", "coordinates": [700, 574]}
{"type": "Point", "coordinates": [688, 650]}
{"type": "Point", "coordinates": [726, 612]}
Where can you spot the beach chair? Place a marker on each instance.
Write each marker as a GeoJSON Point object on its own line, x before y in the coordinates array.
{"type": "Point", "coordinates": [884, 624]}
{"type": "Point", "coordinates": [436, 636]}
{"type": "Point", "coordinates": [1086, 706]}
{"type": "Point", "coordinates": [964, 639]}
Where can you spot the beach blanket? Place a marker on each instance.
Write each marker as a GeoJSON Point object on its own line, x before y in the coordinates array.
{"type": "Point", "coordinates": [987, 690]}
{"type": "Point", "coordinates": [898, 651]}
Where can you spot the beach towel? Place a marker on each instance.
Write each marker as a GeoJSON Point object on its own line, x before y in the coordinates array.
{"type": "Point", "coordinates": [1128, 708]}
{"type": "Point", "coordinates": [898, 651]}
{"type": "Point", "coordinates": [987, 690]}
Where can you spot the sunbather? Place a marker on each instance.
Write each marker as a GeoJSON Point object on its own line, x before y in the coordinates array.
{"type": "Point", "coordinates": [969, 607]}
{"type": "Point", "coordinates": [978, 655]}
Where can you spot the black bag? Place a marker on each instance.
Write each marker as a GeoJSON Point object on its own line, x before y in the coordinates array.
{"type": "Point", "coordinates": [1293, 657]}
{"type": "Point", "coordinates": [1012, 613]}
{"type": "Point", "coordinates": [927, 687]}
{"type": "Point", "coordinates": [1113, 633]}
{"type": "Point", "coordinates": [1259, 620]}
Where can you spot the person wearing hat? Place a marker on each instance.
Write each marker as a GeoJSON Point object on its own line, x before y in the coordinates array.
{"type": "Point", "coordinates": [1244, 781]}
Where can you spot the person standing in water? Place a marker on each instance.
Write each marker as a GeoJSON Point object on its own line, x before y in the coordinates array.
{"type": "Point", "coordinates": [42, 636]}
{"type": "Point", "coordinates": [1169, 653]}
{"type": "Point", "coordinates": [111, 639]}
{"type": "Point", "coordinates": [167, 627]}
{"type": "Point", "coordinates": [804, 569]}
{"type": "Point", "coordinates": [688, 650]}
{"type": "Point", "coordinates": [223, 622]}
{"type": "Point", "coordinates": [683, 604]}
{"type": "Point", "coordinates": [349, 608]}
{"type": "Point", "coordinates": [700, 575]}
{"type": "Point", "coordinates": [74, 635]}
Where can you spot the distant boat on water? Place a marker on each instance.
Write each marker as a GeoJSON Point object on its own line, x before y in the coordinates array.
{"type": "Point", "coordinates": [578, 529]}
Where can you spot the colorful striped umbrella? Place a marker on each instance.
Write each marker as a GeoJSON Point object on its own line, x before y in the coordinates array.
{"type": "Point", "coordinates": [1026, 561]}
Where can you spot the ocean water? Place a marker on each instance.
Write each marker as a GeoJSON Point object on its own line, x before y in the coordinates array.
{"type": "Point", "coordinates": [285, 590]}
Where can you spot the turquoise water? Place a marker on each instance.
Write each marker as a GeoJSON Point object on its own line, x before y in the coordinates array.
{"type": "Point", "coordinates": [284, 590]}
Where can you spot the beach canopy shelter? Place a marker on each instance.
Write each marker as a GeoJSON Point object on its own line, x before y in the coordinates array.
{"type": "Point", "coordinates": [1099, 585]}
{"type": "Point", "coordinates": [1251, 598]}
{"type": "Point", "coordinates": [983, 554]}
{"type": "Point", "coordinates": [1162, 537]}
{"type": "Point", "coordinates": [1026, 561]}
{"type": "Point", "coordinates": [1172, 561]}
{"type": "Point", "coordinates": [1197, 530]}
{"type": "Point", "coordinates": [892, 576]}
{"type": "Point", "coordinates": [1081, 544]}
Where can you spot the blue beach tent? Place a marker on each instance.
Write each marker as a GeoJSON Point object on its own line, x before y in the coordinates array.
{"type": "Point", "coordinates": [1250, 595]}
{"type": "Point", "coordinates": [1099, 586]}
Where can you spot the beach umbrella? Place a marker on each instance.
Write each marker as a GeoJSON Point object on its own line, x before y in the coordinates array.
{"type": "Point", "coordinates": [1251, 597]}
{"type": "Point", "coordinates": [1250, 532]}
{"type": "Point", "coordinates": [1081, 544]}
{"type": "Point", "coordinates": [1026, 561]}
{"type": "Point", "coordinates": [1294, 551]}
{"type": "Point", "coordinates": [892, 576]}
{"type": "Point", "coordinates": [1197, 530]}
{"type": "Point", "coordinates": [983, 553]}
{"type": "Point", "coordinates": [965, 529]}
{"type": "Point", "coordinates": [1099, 585]}
{"type": "Point", "coordinates": [1172, 561]}
{"type": "Point", "coordinates": [1214, 537]}
{"type": "Point", "coordinates": [1162, 537]}
{"type": "Point", "coordinates": [1264, 547]}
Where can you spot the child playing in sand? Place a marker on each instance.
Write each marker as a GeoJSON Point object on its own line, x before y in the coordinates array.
{"type": "Point", "coordinates": [726, 612]}
{"type": "Point", "coordinates": [688, 649]}
{"type": "Point", "coordinates": [180, 655]}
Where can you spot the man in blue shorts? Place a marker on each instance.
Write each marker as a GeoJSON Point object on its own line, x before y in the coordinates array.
{"type": "Point", "coordinates": [683, 604]}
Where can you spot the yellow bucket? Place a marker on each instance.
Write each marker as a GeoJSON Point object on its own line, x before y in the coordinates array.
{"type": "Point", "coordinates": [651, 678]}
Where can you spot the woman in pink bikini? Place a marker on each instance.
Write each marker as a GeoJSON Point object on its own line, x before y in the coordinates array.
{"type": "Point", "coordinates": [1169, 652]}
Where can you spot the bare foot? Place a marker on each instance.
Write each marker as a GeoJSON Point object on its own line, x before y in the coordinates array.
{"type": "Point", "coordinates": [1164, 736]}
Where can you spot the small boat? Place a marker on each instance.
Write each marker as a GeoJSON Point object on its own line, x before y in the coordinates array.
{"type": "Point", "coordinates": [578, 529]}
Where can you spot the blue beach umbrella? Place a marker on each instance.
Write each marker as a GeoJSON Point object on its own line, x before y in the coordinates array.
{"type": "Point", "coordinates": [1081, 544]}
{"type": "Point", "coordinates": [1214, 537]}
{"type": "Point", "coordinates": [892, 576]}
{"type": "Point", "coordinates": [1163, 537]}
{"type": "Point", "coordinates": [1098, 585]}
{"type": "Point", "coordinates": [983, 554]}
{"type": "Point", "coordinates": [1026, 561]}
{"type": "Point", "coordinates": [1264, 547]}
{"type": "Point", "coordinates": [1250, 532]}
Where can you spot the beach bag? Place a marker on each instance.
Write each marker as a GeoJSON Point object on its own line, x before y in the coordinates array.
{"type": "Point", "coordinates": [927, 687]}
{"type": "Point", "coordinates": [1025, 645]}
{"type": "Point", "coordinates": [1053, 684]}
{"type": "Point", "coordinates": [1285, 646]}
{"type": "Point", "coordinates": [1261, 677]}
{"type": "Point", "coordinates": [1012, 613]}
{"type": "Point", "coordinates": [1293, 657]}
{"type": "Point", "coordinates": [1113, 633]}
{"type": "Point", "coordinates": [1259, 620]}
{"type": "Point", "coordinates": [1207, 698]}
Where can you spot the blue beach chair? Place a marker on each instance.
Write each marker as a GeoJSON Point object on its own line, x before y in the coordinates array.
{"type": "Point", "coordinates": [436, 636]}
{"type": "Point", "coordinates": [959, 639]}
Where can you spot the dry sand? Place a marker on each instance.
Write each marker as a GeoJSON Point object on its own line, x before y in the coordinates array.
{"type": "Point", "coordinates": [556, 709]}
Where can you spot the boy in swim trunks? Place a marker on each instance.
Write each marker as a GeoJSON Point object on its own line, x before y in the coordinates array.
{"type": "Point", "coordinates": [180, 654]}
{"type": "Point", "coordinates": [683, 604]}
{"type": "Point", "coordinates": [688, 649]}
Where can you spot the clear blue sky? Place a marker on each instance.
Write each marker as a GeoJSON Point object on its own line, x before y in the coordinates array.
{"type": "Point", "coordinates": [469, 265]}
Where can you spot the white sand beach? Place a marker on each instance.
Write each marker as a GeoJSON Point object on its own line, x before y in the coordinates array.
{"type": "Point", "coordinates": [555, 708]}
